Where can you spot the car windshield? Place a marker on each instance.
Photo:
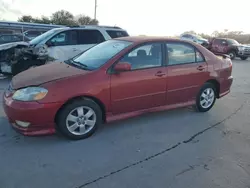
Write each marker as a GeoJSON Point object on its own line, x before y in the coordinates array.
{"type": "Point", "coordinates": [232, 41]}
{"type": "Point", "coordinates": [43, 36]}
{"type": "Point", "coordinates": [98, 55]}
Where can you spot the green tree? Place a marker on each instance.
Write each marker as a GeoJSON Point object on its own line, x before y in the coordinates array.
{"type": "Point", "coordinates": [26, 18]}
{"type": "Point", "coordinates": [61, 17]}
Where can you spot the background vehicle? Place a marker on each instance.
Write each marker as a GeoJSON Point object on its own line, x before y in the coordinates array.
{"type": "Point", "coordinates": [65, 43]}
{"type": "Point", "coordinates": [12, 27]}
{"type": "Point", "coordinates": [7, 38]}
{"type": "Point", "coordinates": [58, 44]}
{"type": "Point", "coordinates": [113, 80]}
{"type": "Point", "coordinates": [31, 34]}
{"type": "Point", "coordinates": [195, 38]}
{"type": "Point", "coordinates": [230, 47]}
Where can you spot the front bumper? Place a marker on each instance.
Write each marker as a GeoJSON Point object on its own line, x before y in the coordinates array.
{"type": "Point", "coordinates": [41, 117]}
{"type": "Point", "coordinates": [244, 53]}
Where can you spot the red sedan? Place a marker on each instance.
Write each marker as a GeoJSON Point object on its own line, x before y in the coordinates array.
{"type": "Point", "coordinates": [113, 80]}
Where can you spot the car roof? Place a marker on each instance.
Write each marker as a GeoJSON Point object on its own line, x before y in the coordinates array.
{"type": "Point", "coordinates": [142, 39]}
{"type": "Point", "coordinates": [82, 27]}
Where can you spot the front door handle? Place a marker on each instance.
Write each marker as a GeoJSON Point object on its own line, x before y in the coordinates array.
{"type": "Point", "coordinates": [160, 74]}
{"type": "Point", "coordinates": [200, 68]}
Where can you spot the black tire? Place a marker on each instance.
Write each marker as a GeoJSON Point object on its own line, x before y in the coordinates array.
{"type": "Point", "coordinates": [199, 107]}
{"type": "Point", "coordinates": [232, 55]}
{"type": "Point", "coordinates": [61, 120]}
{"type": "Point", "coordinates": [243, 58]}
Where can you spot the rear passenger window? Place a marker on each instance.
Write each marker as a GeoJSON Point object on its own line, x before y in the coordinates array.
{"type": "Point", "coordinates": [117, 34]}
{"type": "Point", "coordinates": [217, 41]}
{"type": "Point", "coordinates": [180, 53]}
{"type": "Point", "coordinates": [90, 37]}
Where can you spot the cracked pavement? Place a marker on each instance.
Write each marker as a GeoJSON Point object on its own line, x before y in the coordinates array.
{"type": "Point", "coordinates": [164, 149]}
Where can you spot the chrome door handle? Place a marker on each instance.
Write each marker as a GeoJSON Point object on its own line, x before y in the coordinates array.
{"type": "Point", "coordinates": [200, 68]}
{"type": "Point", "coordinates": [159, 74]}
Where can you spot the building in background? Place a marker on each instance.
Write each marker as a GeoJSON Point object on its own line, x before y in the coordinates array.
{"type": "Point", "coordinates": [30, 30]}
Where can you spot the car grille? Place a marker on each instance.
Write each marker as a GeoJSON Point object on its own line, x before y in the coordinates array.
{"type": "Point", "coordinates": [247, 50]}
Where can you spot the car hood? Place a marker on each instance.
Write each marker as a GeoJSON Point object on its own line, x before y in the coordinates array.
{"type": "Point", "coordinates": [243, 45]}
{"type": "Point", "coordinates": [7, 46]}
{"type": "Point", "coordinates": [46, 73]}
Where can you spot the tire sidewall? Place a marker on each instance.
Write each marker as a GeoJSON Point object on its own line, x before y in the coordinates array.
{"type": "Point", "coordinates": [198, 105]}
{"type": "Point", "coordinates": [234, 55]}
{"type": "Point", "coordinates": [61, 121]}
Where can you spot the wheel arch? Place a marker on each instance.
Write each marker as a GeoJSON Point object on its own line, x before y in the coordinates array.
{"type": "Point", "coordinates": [84, 97]}
{"type": "Point", "coordinates": [216, 85]}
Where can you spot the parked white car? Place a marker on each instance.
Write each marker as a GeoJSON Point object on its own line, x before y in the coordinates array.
{"type": "Point", "coordinates": [64, 43]}
{"type": "Point", "coordinates": [194, 38]}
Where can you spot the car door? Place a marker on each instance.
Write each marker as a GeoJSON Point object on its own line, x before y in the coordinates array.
{"type": "Point", "coordinates": [145, 85]}
{"type": "Point", "coordinates": [63, 45]}
{"type": "Point", "coordinates": [186, 70]}
{"type": "Point", "coordinates": [88, 38]}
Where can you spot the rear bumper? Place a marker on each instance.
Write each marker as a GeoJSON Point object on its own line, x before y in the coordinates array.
{"type": "Point", "coordinates": [225, 86]}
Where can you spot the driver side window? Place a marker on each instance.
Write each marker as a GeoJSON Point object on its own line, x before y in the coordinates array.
{"type": "Point", "coordinates": [64, 38]}
{"type": "Point", "coordinates": [146, 56]}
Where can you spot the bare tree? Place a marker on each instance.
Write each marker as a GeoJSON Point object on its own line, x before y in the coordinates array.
{"type": "Point", "coordinates": [63, 17]}
{"type": "Point", "coordinates": [86, 20]}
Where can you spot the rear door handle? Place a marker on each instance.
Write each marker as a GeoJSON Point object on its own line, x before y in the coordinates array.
{"type": "Point", "coordinates": [160, 74]}
{"type": "Point", "coordinates": [200, 68]}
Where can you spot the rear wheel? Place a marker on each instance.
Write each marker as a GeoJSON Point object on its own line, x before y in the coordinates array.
{"type": "Point", "coordinates": [79, 119]}
{"type": "Point", "coordinates": [206, 97]}
{"type": "Point", "coordinates": [232, 55]}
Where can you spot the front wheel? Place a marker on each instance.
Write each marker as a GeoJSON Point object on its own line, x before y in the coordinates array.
{"type": "Point", "coordinates": [206, 97]}
{"type": "Point", "coordinates": [79, 119]}
{"type": "Point", "coordinates": [243, 58]}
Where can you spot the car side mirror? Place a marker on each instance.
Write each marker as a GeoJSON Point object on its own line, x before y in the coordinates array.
{"type": "Point", "coordinates": [122, 66]}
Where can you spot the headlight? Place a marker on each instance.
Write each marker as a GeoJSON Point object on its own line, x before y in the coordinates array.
{"type": "Point", "coordinates": [30, 94]}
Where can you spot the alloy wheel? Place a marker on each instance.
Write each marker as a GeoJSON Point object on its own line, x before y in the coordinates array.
{"type": "Point", "coordinates": [81, 120]}
{"type": "Point", "coordinates": [207, 98]}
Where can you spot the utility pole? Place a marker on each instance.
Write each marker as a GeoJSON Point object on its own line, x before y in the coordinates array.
{"type": "Point", "coordinates": [95, 8]}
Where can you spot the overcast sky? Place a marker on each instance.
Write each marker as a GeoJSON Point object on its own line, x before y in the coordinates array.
{"type": "Point", "coordinates": [150, 17]}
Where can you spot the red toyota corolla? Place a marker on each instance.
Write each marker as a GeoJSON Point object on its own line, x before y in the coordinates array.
{"type": "Point", "coordinates": [116, 79]}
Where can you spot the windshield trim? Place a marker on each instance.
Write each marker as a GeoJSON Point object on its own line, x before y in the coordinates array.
{"type": "Point", "coordinates": [45, 36]}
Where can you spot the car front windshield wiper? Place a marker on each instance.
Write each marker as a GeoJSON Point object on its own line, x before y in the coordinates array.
{"type": "Point", "coordinates": [77, 63]}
